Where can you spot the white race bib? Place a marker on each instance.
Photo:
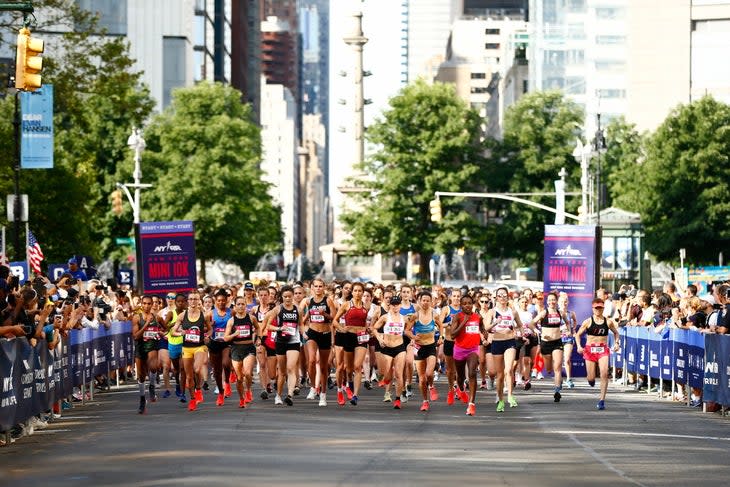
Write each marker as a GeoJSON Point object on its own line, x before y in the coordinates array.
{"type": "Point", "coordinates": [598, 349]}
{"type": "Point", "coordinates": [150, 335]}
{"type": "Point", "coordinates": [218, 335]}
{"type": "Point", "coordinates": [288, 330]}
{"type": "Point", "coordinates": [243, 331]}
{"type": "Point", "coordinates": [192, 337]}
{"type": "Point", "coordinates": [363, 337]}
{"type": "Point", "coordinates": [316, 318]}
{"type": "Point", "coordinates": [393, 329]}
{"type": "Point", "coordinates": [472, 329]}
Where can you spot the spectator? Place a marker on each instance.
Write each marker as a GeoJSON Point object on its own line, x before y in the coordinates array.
{"type": "Point", "coordinates": [73, 269]}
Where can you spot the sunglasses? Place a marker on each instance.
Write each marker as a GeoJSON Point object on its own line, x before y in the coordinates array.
{"type": "Point", "coordinates": [500, 295]}
{"type": "Point", "coordinates": [483, 301]}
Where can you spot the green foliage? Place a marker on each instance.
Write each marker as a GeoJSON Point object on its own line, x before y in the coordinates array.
{"type": "Point", "coordinates": [621, 165]}
{"type": "Point", "coordinates": [203, 153]}
{"type": "Point", "coordinates": [428, 141]}
{"type": "Point", "coordinates": [685, 183]}
{"type": "Point", "coordinates": [540, 131]}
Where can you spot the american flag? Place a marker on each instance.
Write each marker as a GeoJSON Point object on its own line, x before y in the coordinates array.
{"type": "Point", "coordinates": [35, 254]}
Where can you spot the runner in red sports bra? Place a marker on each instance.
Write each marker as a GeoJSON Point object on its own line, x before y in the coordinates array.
{"type": "Point", "coordinates": [467, 330]}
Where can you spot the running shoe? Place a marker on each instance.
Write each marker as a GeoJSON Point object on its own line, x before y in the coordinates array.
{"type": "Point", "coordinates": [434, 394]}
{"type": "Point", "coordinates": [471, 409]}
{"type": "Point", "coordinates": [142, 405]}
{"type": "Point", "coordinates": [241, 403]}
{"type": "Point", "coordinates": [178, 392]}
{"type": "Point", "coordinates": [269, 388]}
{"type": "Point", "coordinates": [383, 383]}
{"type": "Point", "coordinates": [297, 389]}
{"type": "Point", "coordinates": [183, 399]}
{"type": "Point", "coordinates": [264, 395]}
{"type": "Point", "coordinates": [403, 398]}
{"type": "Point", "coordinates": [232, 377]}
{"type": "Point", "coordinates": [322, 399]}
{"type": "Point", "coordinates": [227, 390]}
{"type": "Point", "coordinates": [353, 401]}
{"type": "Point", "coordinates": [601, 405]}
{"type": "Point", "coordinates": [199, 396]}
{"type": "Point", "coordinates": [340, 397]}
{"type": "Point", "coordinates": [312, 393]}
{"type": "Point", "coordinates": [216, 391]}
{"type": "Point", "coordinates": [192, 405]}
{"type": "Point", "coordinates": [219, 401]}
{"type": "Point", "coordinates": [592, 383]}
{"type": "Point", "coordinates": [330, 383]}
{"type": "Point", "coordinates": [368, 385]}
{"type": "Point", "coordinates": [386, 397]}
{"type": "Point", "coordinates": [512, 401]}
{"type": "Point", "coordinates": [436, 376]}
{"type": "Point", "coordinates": [450, 398]}
{"type": "Point", "coordinates": [249, 396]}
{"type": "Point", "coordinates": [540, 376]}
{"type": "Point", "coordinates": [570, 383]}
{"type": "Point", "coordinates": [409, 392]}
{"type": "Point", "coordinates": [278, 401]}
{"type": "Point", "coordinates": [557, 396]}
{"type": "Point", "coordinates": [166, 394]}
{"type": "Point", "coordinates": [153, 395]}
{"type": "Point", "coordinates": [288, 400]}
{"type": "Point", "coordinates": [396, 404]}
{"type": "Point", "coordinates": [425, 406]}
{"type": "Point", "coordinates": [348, 391]}
{"type": "Point", "coordinates": [500, 406]}
{"type": "Point", "coordinates": [490, 385]}
{"type": "Point", "coordinates": [483, 385]}
{"type": "Point", "coordinates": [528, 385]}
{"type": "Point", "coordinates": [206, 386]}
{"type": "Point", "coordinates": [463, 396]}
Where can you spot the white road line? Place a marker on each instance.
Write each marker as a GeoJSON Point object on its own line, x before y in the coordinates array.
{"type": "Point", "coordinates": [603, 461]}
{"type": "Point", "coordinates": [631, 433]}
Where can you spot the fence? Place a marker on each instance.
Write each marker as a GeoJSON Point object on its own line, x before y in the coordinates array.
{"type": "Point", "coordinates": [34, 378]}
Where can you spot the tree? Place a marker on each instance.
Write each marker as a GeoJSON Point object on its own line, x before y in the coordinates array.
{"type": "Point", "coordinates": [428, 141]}
{"type": "Point", "coordinates": [539, 137]}
{"type": "Point", "coordinates": [203, 153]}
{"type": "Point", "coordinates": [98, 98]}
{"type": "Point", "coordinates": [685, 183]}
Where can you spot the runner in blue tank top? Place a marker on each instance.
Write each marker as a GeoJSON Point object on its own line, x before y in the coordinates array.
{"type": "Point", "coordinates": [218, 348]}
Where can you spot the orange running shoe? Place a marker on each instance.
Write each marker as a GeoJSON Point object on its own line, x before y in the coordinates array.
{"type": "Point", "coordinates": [192, 405]}
{"type": "Point", "coordinates": [249, 396]}
{"type": "Point", "coordinates": [425, 406]}
{"type": "Point", "coordinates": [220, 400]}
{"type": "Point", "coordinates": [463, 396]}
{"type": "Point", "coordinates": [232, 377]}
{"type": "Point", "coordinates": [396, 404]}
{"type": "Point", "coordinates": [434, 394]}
{"type": "Point", "coordinates": [241, 403]}
{"type": "Point", "coordinates": [349, 392]}
{"type": "Point", "coordinates": [199, 396]}
{"type": "Point", "coordinates": [471, 409]}
{"type": "Point", "coordinates": [383, 383]}
{"type": "Point", "coordinates": [450, 398]}
{"type": "Point", "coordinates": [340, 398]}
{"type": "Point", "coordinates": [227, 390]}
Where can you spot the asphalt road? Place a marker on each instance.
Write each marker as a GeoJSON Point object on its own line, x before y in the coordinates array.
{"type": "Point", "coordinates": [637, 440]}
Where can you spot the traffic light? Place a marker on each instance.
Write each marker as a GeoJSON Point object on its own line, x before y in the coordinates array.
{"type": "Point", "coordinates": [28, 63]}
{"type": "Point", "coordinates": [117, 202]}
{"type": "Point", "coordinates": [435, 206]}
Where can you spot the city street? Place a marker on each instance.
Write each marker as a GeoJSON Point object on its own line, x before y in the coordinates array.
{"type": "Point", "coordinates": [637, 440]}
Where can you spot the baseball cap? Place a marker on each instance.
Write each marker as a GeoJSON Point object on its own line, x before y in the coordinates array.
{"type": "Point", "coordinates": [72, 260]}
{"type": "Point", "coordinates": [248, 286]}
{"type": "Point", "coordinates": [395, 300]}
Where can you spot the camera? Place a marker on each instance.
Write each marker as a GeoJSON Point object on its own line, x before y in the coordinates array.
{"type": "Point", "coordinates": [71, 281]}
{"type": "Point", "coordinates": [103, 306]}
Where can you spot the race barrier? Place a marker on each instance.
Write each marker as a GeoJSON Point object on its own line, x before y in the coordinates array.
{"type": "Point", "coordinates": [34, 378]}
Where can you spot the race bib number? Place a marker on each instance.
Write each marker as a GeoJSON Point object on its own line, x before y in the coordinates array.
{"type": "Point", "coordinates": [272, 335]}
{"type": "Point", "coordinates": [598, 349]}
{"type": "Point", "coordinates": [150, 335]}
{"type": "Point", "coordinates": [567, 339]}
{"type": "Point", "coordinates": [316, 318]}
{"type": "Point", "coordinates": [288, 330]}
{"type": "Point", "coordinates": [192, 337]}
{"type": "Point", "coordinates": [393, 329]}
{"type": "Point", "coordinates": [362, 337]}
{"type": "Point", "coordinates": [472, 329]}
{"type": "Point", "coordinates": [218, 335]}
{"type": "Point", "coordinates": [243, 331]}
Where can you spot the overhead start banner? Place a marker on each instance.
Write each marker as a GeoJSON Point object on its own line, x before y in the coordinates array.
{"type": "Point", "coordinates": [570, 266]}
{"type": "Point", "coordinates": [36, 128]}
{"type": "Point", "coordinates": [167, 256]}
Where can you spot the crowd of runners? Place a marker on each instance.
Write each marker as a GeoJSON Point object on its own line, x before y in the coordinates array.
{"type": "Point", "coordinates": [345, 336]}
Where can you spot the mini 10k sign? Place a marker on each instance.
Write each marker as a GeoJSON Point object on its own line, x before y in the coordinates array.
{"type": "Point", "coordinates": [168, 256]}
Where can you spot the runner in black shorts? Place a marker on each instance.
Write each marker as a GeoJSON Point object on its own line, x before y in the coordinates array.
{"type": "Point", "coordinates": [318, 312]}
{"type": "Point", "coordinates": [447, 314]}
{"type": "Point", "coordinates": [146, 331]}
{"type": "Point", "coordinates": [240, 332]}
{"type": "Point", "coordinates": [266, 345]}
{"type": "Point", "coordinates": [422, 328]}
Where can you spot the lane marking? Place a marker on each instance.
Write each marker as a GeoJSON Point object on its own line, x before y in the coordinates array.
{"type": "Point", "coordinates": [630, 433]}
{"type": "Point", "coordinates": [597, 456]}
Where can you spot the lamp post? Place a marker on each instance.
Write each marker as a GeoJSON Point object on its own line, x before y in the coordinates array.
{"type": "Point", "coordinates": [599, 145]}
{"type": "Point", "coordinates": [582, 154]}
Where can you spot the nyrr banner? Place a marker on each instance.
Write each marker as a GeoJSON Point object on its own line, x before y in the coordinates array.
{"type": "Point", "coordinates": [36, 128]}
{"type": "Point", "coordinates": [717, 367]}
{"type": "Point", "coordinates": [570, 266]}
{"type": "Point", "coordinates": [167, 256]}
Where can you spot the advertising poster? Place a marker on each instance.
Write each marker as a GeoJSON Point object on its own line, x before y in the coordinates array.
{"type": "Point", "coordinates": [36, 128]}
{"type": "Point", "coordinates": [570, 266]}
{"type": "Point", "coordinates": [167, 256]}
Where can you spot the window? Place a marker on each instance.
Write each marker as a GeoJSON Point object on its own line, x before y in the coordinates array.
{"type": "Point", "coordinates": [575, 85]}
{"type": "Point", "coordinates": [610, 66]}
{"type": "Point", "coordinates": [577, 6]}
{"type": "Point", "coordinates": [610, 39]}
{"type": "Point", "coordinates": [479, 76]}
{"type": "Point", "coordinates": [112, 14]}
{"type": "Point", "coordinates": [491, 45]}
{"type": "Point", "coordinates": [491, 32]}
{"type": "Point", "coordinates": [478, 89]}
{"type": "Point", "coordinates": [173, 66]}
{"type": "Point", "coordinates": [609, 13]}
{"type": "Point", "coordinates": [611, 93]}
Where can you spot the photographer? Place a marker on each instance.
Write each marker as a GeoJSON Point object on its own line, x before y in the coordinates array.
{"type": "Point", "coordinates": [719, 319]}
{"type": "Point", "coordinates": [102, 308]}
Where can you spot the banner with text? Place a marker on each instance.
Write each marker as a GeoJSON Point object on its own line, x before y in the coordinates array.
{"type": "Point", "coordinates": [167, 259]}
{"type": "Point", "coordinates": [36, 128]}
{"type": "Point", "coordinates": [570, 267]}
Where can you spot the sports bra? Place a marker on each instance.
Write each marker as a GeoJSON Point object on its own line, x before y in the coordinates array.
{"type": "Point", "coordinates": [552, 319]}
{"type": "Point", "coordinates": [419, 328]}
{"type": "Point", "coordinates": [219, 324]}
{"type": "Point", "coordinates": [597, 329]}
{"type": "Point", "coordinates": [356, 316]}
{"type": "Point", "coordinates": [317, 311]}
{"type": "Point", "coordinates": [503, 322]}
{"type": "Point", "coordinates": [394, 328]}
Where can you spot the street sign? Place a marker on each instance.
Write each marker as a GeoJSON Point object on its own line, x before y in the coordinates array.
{"type": "Point", "coordinates": [23, 208]}
{"type": "Point", "coordinates": [125, 241]}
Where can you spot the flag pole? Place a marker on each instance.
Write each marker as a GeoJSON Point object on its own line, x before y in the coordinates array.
{"type": "Point", "coordinates": [27, 257]}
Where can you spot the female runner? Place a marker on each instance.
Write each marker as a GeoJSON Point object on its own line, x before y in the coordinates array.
{"type": "Point", "coordinates": [447, 316]}
{"type": "Point", "coordinates": [596, 350]}
{"type": "Point", "coordinates": [422, 328]}
{"type": "Point", "coordinates": [320, 310]}
{"type": "Point", "coordinates": [392, 346]}
{"type": "Point", "coordinates": [240, 332]}
{"type": "Point", "coordinates": [467, 330]}
{"type": "Point", "coordinates": [195, 329]}
{"type": "Point", "coordinates": [356, 339]}
{"type": "Point", "coordinates": [551, 346]}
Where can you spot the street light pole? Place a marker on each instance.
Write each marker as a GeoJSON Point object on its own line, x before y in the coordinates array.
{"type": "Point", "coordinates": [136, 142]}
{"type": "Point", "coordinates": [581, 154]}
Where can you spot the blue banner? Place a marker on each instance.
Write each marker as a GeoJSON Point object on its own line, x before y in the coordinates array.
{"type": "Point", "coordinates": [642, 349]}
{"type": "Point", "coordinates": [36, 128]}
{"type": "Point", "coordinates": [655, 345]}
{"type": "Point", "coordinates": [55, 271]}
{"type": "Point", "coordinates": [631, 345]}
{"type": "Point", "coordinates": [696, 359]}
{"type": "Point", "coordinates": [20, 269]}
{"type": "Point", "coordinates": [680, 364]}
{"type": "Point", "coordinates": [666, 359]}
{"type": "Point", "coordinates": [125, 277]}
{"type": "Point", "coordinates": [711, 390]}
